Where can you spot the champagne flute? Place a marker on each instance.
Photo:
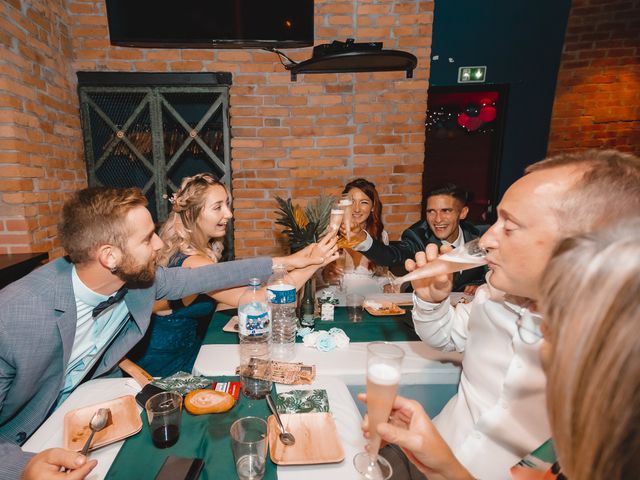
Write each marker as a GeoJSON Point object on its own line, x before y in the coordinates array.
{"type": "Point", "coordinates": [469, 255]}
{"type": "Point", "coordinates": [347, 203]}
{"type": "Point", "coordinates": [383, 376]}
{"type": "Point", "coordinates": [335, 219]}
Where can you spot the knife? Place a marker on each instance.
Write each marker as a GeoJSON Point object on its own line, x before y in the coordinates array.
{"type": "Point", "coordinates": [142, 377]}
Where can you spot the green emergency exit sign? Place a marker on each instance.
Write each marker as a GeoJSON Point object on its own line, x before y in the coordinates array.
{"type": "Point", "coordinates": [472, 74]}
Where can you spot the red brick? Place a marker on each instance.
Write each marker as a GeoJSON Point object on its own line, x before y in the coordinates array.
{"type": "Point", "coordinates": [283, 132]}
{"type": "Point", "coordinates": [594, 89]}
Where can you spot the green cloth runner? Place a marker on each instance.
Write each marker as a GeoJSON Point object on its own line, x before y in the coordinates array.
{"type": "Point", "coordinates": [202, 436]}
{"type": "Point", "coordinates": [396, 328]}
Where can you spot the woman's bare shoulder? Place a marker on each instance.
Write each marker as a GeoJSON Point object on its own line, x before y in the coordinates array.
{"type": "Point", "coordinates": [195, 261]}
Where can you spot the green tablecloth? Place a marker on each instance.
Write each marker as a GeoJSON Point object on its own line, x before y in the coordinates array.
{"type": "Point", "coordinates": [202, 436]}
{"type": "Point", "coordinates": [396, 328]}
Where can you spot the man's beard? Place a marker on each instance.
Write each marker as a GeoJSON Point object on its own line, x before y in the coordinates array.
{"type": "Point", "coordinates": [135, 275]}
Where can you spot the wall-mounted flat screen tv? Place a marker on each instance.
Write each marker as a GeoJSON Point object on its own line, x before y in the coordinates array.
{"type": "Point", "coordinates": [211, 23]}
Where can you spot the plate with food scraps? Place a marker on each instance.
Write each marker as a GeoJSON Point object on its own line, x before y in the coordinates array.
{"type": "Point", "coordinates": [125, 421]}
{"type": "Point", "coordinates": [382, 309]}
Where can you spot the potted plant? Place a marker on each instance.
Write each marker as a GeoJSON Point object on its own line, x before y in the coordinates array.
{"type": "Point", "coordinates": [304, 226]}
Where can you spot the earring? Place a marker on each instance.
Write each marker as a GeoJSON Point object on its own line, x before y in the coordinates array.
{"type": "Point", "coordinates": [113, 270]}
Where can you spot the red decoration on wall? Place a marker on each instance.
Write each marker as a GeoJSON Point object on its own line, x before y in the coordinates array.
{"type": "Point", "coordinates": [473, 123]}
{"type": "Point", "coordinates": [487, 114]}
{"type": "Point", "coordinates": [463, 118]}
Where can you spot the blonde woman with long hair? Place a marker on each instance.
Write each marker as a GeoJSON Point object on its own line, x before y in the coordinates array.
{"type": "Point", "coordinates": [591, 292]}
{"type": "Point", "coordinates": [590, 352]}
{"type": "Point", "coordinates": [193, 235]}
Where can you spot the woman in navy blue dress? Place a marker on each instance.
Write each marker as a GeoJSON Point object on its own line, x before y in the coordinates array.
{"type": "Point", "coordinates": [193, 236]}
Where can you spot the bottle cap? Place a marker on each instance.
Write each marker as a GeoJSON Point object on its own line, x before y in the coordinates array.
{"type": "Point", "coordinates": [254, 282]}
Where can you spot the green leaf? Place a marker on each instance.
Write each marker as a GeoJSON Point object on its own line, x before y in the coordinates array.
{"type": "Point", "coordinates": [317, 212]}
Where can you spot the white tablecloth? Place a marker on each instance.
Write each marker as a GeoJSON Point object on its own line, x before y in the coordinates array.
{"type": "Point", "coordinates": [421, 365]}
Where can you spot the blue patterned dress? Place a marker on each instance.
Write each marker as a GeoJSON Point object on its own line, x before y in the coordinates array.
{"type": "Point", "coordinates": [172, 341]}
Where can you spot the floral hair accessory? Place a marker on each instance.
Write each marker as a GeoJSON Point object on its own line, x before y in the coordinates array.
{"type": "Point", "coordinates": [324, 340]}
{"type": "Point", "coordinates": [172, 199]}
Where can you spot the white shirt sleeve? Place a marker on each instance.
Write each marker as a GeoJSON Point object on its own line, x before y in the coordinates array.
{"type": "Point", "coordinates": [366, 243]}
{"type": "Point", "coordinates": [440, 325]}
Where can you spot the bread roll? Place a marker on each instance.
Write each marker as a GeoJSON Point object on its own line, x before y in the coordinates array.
{"type": "Point", "coordinates": [204, 400]}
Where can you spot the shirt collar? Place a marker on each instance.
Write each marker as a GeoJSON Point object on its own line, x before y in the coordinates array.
{"type": "Point", "coordinates": [84, 293]}
{"type": "Point", "coordinates": [517, 305]}
{"type": "Point", "coordinates": [458, 242]}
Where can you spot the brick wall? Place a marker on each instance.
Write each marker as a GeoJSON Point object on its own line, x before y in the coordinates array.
{"type": "Point", "coordinates": [597, 101]}
{"type": "Point", "coordinates": [40, 143]}
{"type": "Point", "coordinates": [296, 139]}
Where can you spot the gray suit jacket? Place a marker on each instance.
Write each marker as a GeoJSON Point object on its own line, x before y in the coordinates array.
{"type": "Point", "coordinates": [37, 327]}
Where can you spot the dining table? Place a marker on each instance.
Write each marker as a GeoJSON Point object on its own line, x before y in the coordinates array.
{"type": "Point", "coordinates": [207, 436]}
{"type": "Point", "coordinates": [201, 436]}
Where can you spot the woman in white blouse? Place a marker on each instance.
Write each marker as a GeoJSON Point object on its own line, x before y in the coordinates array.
{"type": "Point", "coordinates": [353, 271]}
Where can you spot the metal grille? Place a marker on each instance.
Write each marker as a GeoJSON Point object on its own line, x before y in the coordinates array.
{"type": "Point", "coordinates": [152, 137]}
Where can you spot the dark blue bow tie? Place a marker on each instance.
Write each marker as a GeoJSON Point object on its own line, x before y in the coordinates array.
{"type": "Point", "coordinates": [113, 299]}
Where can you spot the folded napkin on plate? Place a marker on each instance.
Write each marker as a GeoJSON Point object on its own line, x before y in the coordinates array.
{"type": "Point", "coordinates": [303, 401]}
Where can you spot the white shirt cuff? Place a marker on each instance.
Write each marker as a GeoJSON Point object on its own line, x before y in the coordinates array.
{"type": "Point", "coordinates": [365, 244]}
{"type": "Point", "coordinates": [429, 307]}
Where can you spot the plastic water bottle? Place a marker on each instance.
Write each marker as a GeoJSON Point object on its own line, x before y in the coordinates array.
{"type": "Point", "coordinates": [254, 331]}
{"type": "Point", "coordinates": [281, 294]}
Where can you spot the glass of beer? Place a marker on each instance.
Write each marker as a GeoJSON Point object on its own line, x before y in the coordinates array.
{"type": "Point", "coordinates": [383, 376]}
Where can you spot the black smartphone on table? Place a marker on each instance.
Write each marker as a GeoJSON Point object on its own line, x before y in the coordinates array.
{"type": "Point", "coordinates": [180, 468]}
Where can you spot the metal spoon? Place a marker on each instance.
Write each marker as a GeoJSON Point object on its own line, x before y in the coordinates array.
{"type": "Point", "coordinates": [285, 437]}
{"type": "Point", "coordinates": [100, 419]}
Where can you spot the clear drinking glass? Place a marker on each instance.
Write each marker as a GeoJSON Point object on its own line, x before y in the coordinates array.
{"type": "Point", "coordinates": [469, 255]}
{"type": "Point", "coordinates": [383, 376]}
{"type": "Point", "coordinates": [164, 413]}
{"type": "Point", "coordinates": [249, 444]}
{"type": "Point", "coordinates": [354, 306]}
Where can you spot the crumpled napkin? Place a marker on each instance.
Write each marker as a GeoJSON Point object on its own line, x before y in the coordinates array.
{"type": "Point", "coordinates": [324, 340]}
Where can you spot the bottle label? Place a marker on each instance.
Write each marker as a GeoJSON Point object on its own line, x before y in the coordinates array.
{"type": "Point", "coordinates": [281, 294]}
{"type": "Point", "coordinates": [253, 325]}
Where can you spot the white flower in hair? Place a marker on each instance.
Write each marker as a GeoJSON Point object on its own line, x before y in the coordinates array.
{"type": "Point", "coordinates": [172, 199]}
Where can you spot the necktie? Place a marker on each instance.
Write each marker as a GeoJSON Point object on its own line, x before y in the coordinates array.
{"type": "Point", "coordinates": [112, 300]}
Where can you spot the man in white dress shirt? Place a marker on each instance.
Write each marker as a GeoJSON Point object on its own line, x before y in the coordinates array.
{"type": "Point", "coordinates": [499, 413]}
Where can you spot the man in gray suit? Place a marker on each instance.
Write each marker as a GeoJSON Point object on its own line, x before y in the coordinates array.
{"type": "Point", "coordinates": [74, 319]}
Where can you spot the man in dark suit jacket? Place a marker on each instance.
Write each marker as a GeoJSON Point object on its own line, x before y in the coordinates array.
{"type": "Point", "coordinates": [61, 324]}
{"type": "Point", "coordinates": [445, 225]}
